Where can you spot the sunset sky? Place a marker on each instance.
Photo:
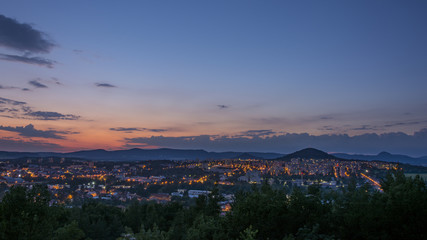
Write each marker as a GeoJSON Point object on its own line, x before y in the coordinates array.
{"type": "Point", "coordinates": [342, 76]}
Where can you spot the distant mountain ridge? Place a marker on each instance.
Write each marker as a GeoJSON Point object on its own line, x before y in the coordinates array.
{"type": "Point", "coordinates": [385, 156]}
{"type": "Point", "coordinates": [137, 154]}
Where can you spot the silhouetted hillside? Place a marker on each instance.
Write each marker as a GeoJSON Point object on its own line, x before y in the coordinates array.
{"type": "Point", "coordinates": [308, 153]}
{"type": "Point", "coordinates": [137, 154]}
{"type": "Point", "coordinates": [247, 156]}
{"type": "Point", "coordinates": [387, 157]}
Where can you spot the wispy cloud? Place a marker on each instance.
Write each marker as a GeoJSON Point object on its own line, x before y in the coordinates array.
{"type": "Point", "coordinates": [106, 85]}
{"type": "Point", "coordinates": [29, 60]}
{"type": "Point", "coordinates": [256, 133]}
{"type": "Point", "coordinates": [56, 81]}
{"type": "Point", "coordinates": [7, 87]}
{"type": "Point", "coordinates": [130, 130]}
{"type": "Point", "coordinates": [222, 106]}
{"type": "Point", "coordinates": [11, 102]}
{"type": "Point", "coordinates": [35, 83]}
{"type": "Point", "coordinates": [32, 145]}
{"type": "Point", "coordinates": [409, 123]}
{"type": "Point", "coordinates": [43, 115]}
{"type": "Point", "coordinates": [21, 110]}
{"type": "Point", "coordinates": [31, 131]}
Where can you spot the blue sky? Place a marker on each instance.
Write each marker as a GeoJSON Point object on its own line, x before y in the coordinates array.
{"type": "Point", "coordinates": [116, 74]}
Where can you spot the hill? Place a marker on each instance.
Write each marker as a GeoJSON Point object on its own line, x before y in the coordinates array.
{"type": "Point", "coordinates": [386, 157]}
{"type": "Point", "coordinates": [137, 154]}
{"type": "Point", "coordinates": [308, 153]}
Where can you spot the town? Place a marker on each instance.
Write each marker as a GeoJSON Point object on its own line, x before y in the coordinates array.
{"type": "Point", "coordinates": [73, 181]}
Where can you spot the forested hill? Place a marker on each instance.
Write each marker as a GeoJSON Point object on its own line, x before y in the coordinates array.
{"type": "Point", "coordinates": [308, 153]}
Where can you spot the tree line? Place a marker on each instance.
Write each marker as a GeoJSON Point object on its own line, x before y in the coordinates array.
{"type": "Point", "coordinates": [397, 212]}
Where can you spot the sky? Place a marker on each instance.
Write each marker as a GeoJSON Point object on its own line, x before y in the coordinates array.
{"type": "Point", "coordinates": [273, 76]}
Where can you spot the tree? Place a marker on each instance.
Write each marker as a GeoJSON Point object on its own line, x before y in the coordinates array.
{"type": "Point", "coordinates": [25, 214]}
{"type": "Point", "coordinates": [248, 234]}
{"type": "Point", "coordinates": [69, 232]}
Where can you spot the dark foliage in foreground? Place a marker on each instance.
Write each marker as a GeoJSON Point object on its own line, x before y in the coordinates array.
{"type": "Point", "coordinates": [400, 212]}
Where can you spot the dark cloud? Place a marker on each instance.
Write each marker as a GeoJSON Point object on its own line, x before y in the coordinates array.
{"type": "Point", "coordinates": [43, 83]}
{"type": "Point", "coordinates": [155, 130]}
{"type": "Point", "coordinates": [221, 106]}
{"type": "Point", "coordinates": [257, 133]}
{"type": "Point", "coordinates": [371, 128]}
{"type": "Point", "coordinates": [11, 102]}
{"type": "Point", "coordinates": [328, 128]}
{"type": "Point", "coordinates": [121, 129]}
{"type": "Point", "coordinates": [365, 128]}
{"type": "Point", "coordinates": [37, 84]}
{"type": "Point", "coordinates": [30, 131]}
{"type": "Point", "coordinates": [23, 37]}
{"type": "Point", "coordinates": [8, 144]}
{"type": "Point", "coordinates": [107, 85]}
{"type": "Point", "coordinates": [403, 123]}
{"type": "Point", "coordinates": [7, 87]}
{"type": "Point", "coordinates": [22, 111]}
{"type": "Point", "coordinates": [129, 130]}
{"type": "Point", "coordinates": [25, 89]}
{"type": "Point", "coordinates": [56, 81]}
{"type": "Point", "coordinates": [9, 110]}
{"type": "Point", "coordinates": [42, 115]}
{"type": "Point", "coordinates": [29, 60]}
{"type": "Point", "coordinates": [395, 142]}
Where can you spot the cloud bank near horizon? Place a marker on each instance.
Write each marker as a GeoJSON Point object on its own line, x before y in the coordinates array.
{"type": "Point", "coordinates": [371, 143]}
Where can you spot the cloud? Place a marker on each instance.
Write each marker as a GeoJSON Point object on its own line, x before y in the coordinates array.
{"type": "Point", "coordinates": [42, 115]}
{"type": "Point", "coordinates": [373, 128]}
{"type": "Point", "coordinates": [221, 106]}
{"type": "Point", "coordinates": [56, 81]}
{"type": "Point", "coordinates": [7, 87]}
{"type": "Point", "coordinates": [8, 110]}
{"type": "Point", "coordinates": [29, 60]}
{"type": "Point", "coordinates": [32, 146]}
{"type": "Point", "coordinates": [404, 123]}
{"type": "Point", "coordinates": [372, 143]}
{"type": "Point", "coordinates": [130, 130]}
{"type": "Point", "coordinates": [23, 37]}
{"type": "Point", "coordinates": [365, 127]}
{"type": "Point", "coordinates": [21, 110]}
{"type": "Point", "coordinates": [257, 133]}
{"type": "Point", "coordinates": [30, 131]}
{"type": "Point", "coordinates": [329, 128]}
{"type": "Point", "coordinates": [37, 84]}
{"type": "Point", "coordinates": [107, 85]}
{"type": "Point", "coordinates": [11, 102]}
{"type": "Point", "coordinates": [43, 83]}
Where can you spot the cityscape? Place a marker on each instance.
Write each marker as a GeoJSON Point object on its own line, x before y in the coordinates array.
{"type": "Point", "coordinates": [213, 120]}
{"type": "Point", "coordinates": [73, 180]}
